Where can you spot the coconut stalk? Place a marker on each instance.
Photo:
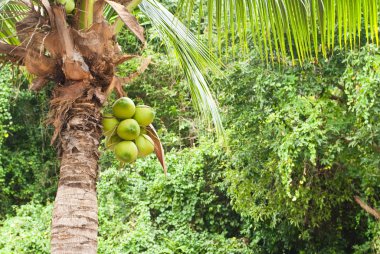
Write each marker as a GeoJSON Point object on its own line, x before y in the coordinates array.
{"type": "Point", "coordinates": [86, 11]}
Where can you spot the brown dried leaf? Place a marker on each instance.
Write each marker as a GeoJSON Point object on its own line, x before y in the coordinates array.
{"type": "Point", "coordinates": [74, 70]}
{"type": "Point", "coordinates": [29, 30]}
{"type": "Point", "coordinates": [115, 84]}
{"type": "Point", "coordinates": [40, 65]}
{"type": "Point", "coordinates": [100, 95]}
{"type": "Point", "coordinates": [12, 50]}
{"type": "Point", "coordinates": [119, 89]}
{"type": "Point", "coordinates": [124, 58]}
{"type": "Point", "coordinates": [63, 32]}
{"type": "Point", "coordinates": [129, 20]}
{"type": "Point", "coordinates": [97, 41]}
{"type": "Point", "coordinates": [38, 84]}
{"type": "Point", "coordinates": [89, 42]}
{"type": "Point", "coordinates": [47, 6]}
{"type": "Point", "coordinates": [50, 43]}
{"type": "Point", "coordinates": [10, 53]}
{"type": "Point", "coordinates": [98, 11]}
{"type": "Point", "coordinates": [158, 149]}
{"type": "Point", "coordinates": [144, 65]}
{"type": "Point", "coordinates": [70, 93]}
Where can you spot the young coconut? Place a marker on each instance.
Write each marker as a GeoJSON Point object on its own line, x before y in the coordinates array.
{"type": "Point", "coordinates": [144, 115]}
{"type": "Point", "coordinates": [124, 108]}
{"type": "Point", "coordinates": [112, 141]}
{"type": "Point", "coordinates": [126, 151]}
{"type": "Point", "coordinates": [128, 129]}
{"type": "Point", "coordinates": [144, 145]}
{"type": "Point", "coordinates": [109, 123]}
{"type": "Point", "coordinates": [69, 5]}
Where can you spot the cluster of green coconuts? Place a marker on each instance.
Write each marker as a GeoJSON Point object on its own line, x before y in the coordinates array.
{"type": "Point", "coordinates": [125, 130]}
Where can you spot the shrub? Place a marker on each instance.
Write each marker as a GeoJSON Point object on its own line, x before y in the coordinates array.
{"type": "Point", "coordinates": [303, 142]}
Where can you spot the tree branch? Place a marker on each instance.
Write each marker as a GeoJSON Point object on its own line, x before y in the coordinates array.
{"type": "Point", "coordinates": [38, 84]}
{"type": "Point", "coordinates": [144, 65]}
{"type": "Point", "coordinates": [376, 148]}
{"type": "Point", "coordinates": [367, 208]}
{"type": "Point", "coordinates": [337, 98]}
{"type": "Point", "coordinates": [11, 50]}
{"type": "Point", "coordinates": [63, 32]}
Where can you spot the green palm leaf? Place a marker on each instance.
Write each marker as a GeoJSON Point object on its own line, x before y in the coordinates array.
{"type": "Point", "coordinates": [10, 13]}
{"type": "Point", "coordinates": [192, 55]}
{"type": "Point", "coordinates": [299, 28]}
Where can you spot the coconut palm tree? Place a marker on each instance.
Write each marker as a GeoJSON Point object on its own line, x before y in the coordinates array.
{"type": "Point", "coordinates": [76, 49]}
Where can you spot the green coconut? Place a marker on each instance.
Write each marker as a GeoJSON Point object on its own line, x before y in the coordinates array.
{"type": "Point", "coordinates": [126, 151]}
{"type": "Point", "coordinates": [144, 115]}
{"type": "Point", "coordinates": [69, 5]}
{"type": "Point", "coordinates": [112, 141]}
{"type": "Point", "coordinates": [124, 108]}
{"type": "Point", "coordinates": [128, 129]}
{"type": "Point", "coordinates": [145, 145]}
{"type": "Point", "coordinates": [109, 123]}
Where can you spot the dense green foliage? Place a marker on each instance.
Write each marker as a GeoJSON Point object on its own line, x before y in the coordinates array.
{"type": "Point", "coordinates": [301, 142]}
{"type": "Point", "coordinates": [187, 212]}
{"type": "Point", "coordinates": [304, 141]}
{"type": "Point", "coordinates": [5, 116]}
{"type": "Point", "coordinates": [28, 164]}
{"type": "Point", "coordinates": [28, 231]}
{"type": "Point", "coordinates": [141, 211]}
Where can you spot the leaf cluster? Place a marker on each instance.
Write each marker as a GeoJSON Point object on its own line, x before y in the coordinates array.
{"type": "Point", "coordinates": [303, 142]}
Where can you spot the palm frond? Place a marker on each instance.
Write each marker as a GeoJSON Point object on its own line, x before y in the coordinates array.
{"type": "Point", "coordinates": [192, 55]}
{"type": "Point", "coordinates": [280, 28]}
{"type": "Point", "coordinates": [10, 13]}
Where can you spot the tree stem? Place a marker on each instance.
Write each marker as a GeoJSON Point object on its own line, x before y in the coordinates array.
{"type": "Point", "coordinates": [75, 214]}
{"type": "Point", "coordinates": [367, 208]}
{"type": "Point", "coordinates": [86, 13]}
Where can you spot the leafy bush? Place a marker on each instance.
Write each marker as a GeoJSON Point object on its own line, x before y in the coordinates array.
{"type": "Point", "coordinates": [5, 97]}
{"type": "Point", "coordinates": [304, 141]}
{"type": "Point", "coordinates": [142, 211]}
{"type": "Point", "coordinates": [28, 232]}
{"type": "Point", "coordinates": [28, 164]}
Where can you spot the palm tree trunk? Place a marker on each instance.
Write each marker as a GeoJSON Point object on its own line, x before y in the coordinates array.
{"type": "Point", "coordinates": [75, 214]}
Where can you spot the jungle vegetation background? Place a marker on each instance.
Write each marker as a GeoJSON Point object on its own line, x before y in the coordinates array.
{"type": "Point", "coordinates": [301, 142]}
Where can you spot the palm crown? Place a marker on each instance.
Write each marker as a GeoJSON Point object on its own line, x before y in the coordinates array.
{"type": "Point", "coordinates": [278, 29]}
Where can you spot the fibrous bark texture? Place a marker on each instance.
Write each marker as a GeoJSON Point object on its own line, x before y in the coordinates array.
{"type": "Point", "coordinates": [87, 65]}
{"type": "Point", "coordinates": [75, 215]}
